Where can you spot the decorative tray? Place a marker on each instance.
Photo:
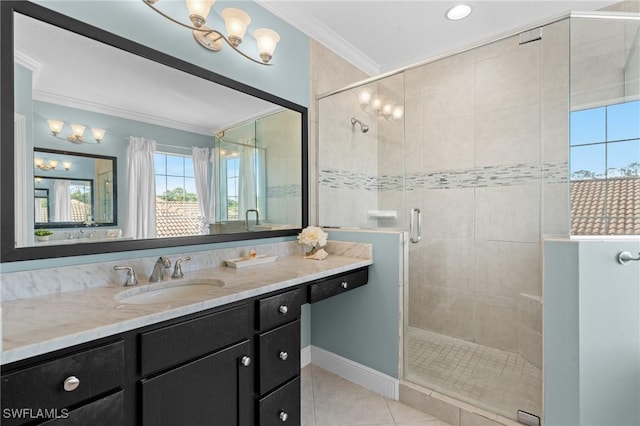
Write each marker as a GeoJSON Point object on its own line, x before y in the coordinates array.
{"type": "Point", "coordinates": [241, 262]}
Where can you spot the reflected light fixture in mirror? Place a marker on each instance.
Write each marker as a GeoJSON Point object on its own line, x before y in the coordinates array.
{"type": "Point", "coordinates": [380, 106]}
{"type": "Point", "coordinates": [48, 165]}
{"type": "Point", "coordinates": [77, 132]}
{"type": "Point", "coordinates": [236, 22]}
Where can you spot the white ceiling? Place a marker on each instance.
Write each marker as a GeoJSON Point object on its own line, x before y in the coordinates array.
{"type": "Point", "coordinates": [380, 36]}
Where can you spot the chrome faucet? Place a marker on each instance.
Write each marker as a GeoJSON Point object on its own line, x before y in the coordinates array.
{"type": "Point", "coordinates": [131, 275]}
{"type": "Point", "coordinates": [158, 269]}
{"type": "Point", "coordinates": [177, 268]}
{"type": "Point", "coordinates": [246, 218]}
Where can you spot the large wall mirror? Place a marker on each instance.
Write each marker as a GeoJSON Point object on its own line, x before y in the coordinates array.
{"type": "Point", "coordinates": [170, 154]}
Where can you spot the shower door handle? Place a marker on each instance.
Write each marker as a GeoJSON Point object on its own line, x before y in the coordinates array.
{"type": "Point", "coordinates": [415, 223]}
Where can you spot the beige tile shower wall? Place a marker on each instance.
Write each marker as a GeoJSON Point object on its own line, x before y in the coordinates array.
{"type": "Point", "coordinates": [500, 110]}
{"type": "Point", "coordinates": [601, 55]}
{"type": "Point", "coordinates": [328, 72]}
{"type": "Point", "coordinates": [283, 168]}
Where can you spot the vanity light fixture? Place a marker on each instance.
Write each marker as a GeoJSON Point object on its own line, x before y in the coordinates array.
{"type": "Point", "coordinates": [376, 104]}
{"type": "Point", "coordinates": [236, 22]}
{"type": "Point", "coordinates": [49, 165]}
{"type": "Point", "coordinates": [458, 12]}
{"type": "Point", "coordinates": [77, 132]}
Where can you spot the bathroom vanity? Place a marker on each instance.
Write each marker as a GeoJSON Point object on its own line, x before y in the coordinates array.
{"type": "Point", "coordinates": [235, 359]}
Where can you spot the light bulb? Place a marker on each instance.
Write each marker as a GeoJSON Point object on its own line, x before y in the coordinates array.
{"type": "Point", "coordinates": [199, 10]}
{"type": "Point", "coordinates": [364, 96]}
{"type": "Point", "coordinates": [67, 165]}
{"type": "Point", "coordinates": [376, 103]}
{"type": "Point", "coordinates": [387, 109]}
{"type": "Point", "coordinates": [98, 134]}
{"type": "Point", "coordinates": [236, 22]}
{"type": "Point", "coordinates": [398, 112]}
{"type": "Point", "coordinates": [55, 126]}
{"type": "Point", "coordinates": [267, 40]}
{"type": "Point", "coordinates": [458, 12]}
{"type": "Point", "coordinates": [53, 163]}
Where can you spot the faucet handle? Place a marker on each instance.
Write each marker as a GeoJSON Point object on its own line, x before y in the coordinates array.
{"type": "Point", "coordinates": [131, 275]}
{"type": "Point", "coordinates": [177, 270]}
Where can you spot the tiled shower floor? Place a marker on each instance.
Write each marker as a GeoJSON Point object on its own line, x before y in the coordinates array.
{"type": "Point", "coordinates": [495, 380]}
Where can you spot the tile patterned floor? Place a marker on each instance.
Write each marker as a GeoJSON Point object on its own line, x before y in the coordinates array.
{"type": "Point", "coordinates": [329, 400]}
{"type": "Point", "coordinates": [498, 381]}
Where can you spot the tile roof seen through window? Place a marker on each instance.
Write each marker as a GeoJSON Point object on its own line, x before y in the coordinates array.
{"type": "Point", "coordinates": [605, 206]}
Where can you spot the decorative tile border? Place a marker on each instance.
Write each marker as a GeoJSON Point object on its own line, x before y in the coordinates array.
{"type": "Point", "coordinates": [479, 177]}
{"type": "Point", "coordinates": [284, 191]}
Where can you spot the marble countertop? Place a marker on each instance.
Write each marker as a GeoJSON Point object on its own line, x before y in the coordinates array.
{"type": "Point", "coordinates": [42, 324]}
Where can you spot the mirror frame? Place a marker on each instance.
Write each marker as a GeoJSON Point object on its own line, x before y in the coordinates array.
{"type": "Point", "coordinates": [8, 251]}
{"type": "Point", "coordinates": [70, 225]}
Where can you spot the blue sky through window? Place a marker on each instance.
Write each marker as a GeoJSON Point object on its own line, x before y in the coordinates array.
{"type": "Point", "coordinates": [605, 141]}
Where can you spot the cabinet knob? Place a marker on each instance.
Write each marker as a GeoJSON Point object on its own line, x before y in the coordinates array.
{"type": "Point", "coordinates": [246, 361]}
{"type": "Point", "coordinates": [283, 355]}
{"type": "Point", "coordinates": [283, 416]}
{"type": "Point", "coordinates": [283, 309]}
{"type": "Point", "coordinates": [344, 284]}
{"type": "Point", "coordinates": [71, 383]}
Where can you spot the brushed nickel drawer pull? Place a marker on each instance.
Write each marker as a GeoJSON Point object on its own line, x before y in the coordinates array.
{"type": "Point", "coordinates": [283, 416]}
{"type": "Point", "coordinates": [283, 309]}
{"type": "Point", "coordinates": [283, 355]}
{"type": "Point", "coordinates": [344, 284]}
{"type": "Point", "coordinates": [246, 361]}
{"type": "Point", "coordinates": [71, 383]}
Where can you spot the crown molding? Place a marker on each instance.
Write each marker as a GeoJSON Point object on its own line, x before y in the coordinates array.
{"type": "Point", "coordinates": [26, 61]}
{"type": "Point", "coordinates": [323, 34]}
{"type": "Point", "coordinates": [71, 102]}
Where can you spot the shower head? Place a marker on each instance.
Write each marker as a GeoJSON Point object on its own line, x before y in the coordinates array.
{"type": "Point", "coordinates": [363, 127]}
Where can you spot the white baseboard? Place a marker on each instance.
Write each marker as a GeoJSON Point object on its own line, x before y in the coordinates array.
{"type": "Point", "coordinates": [359, 374]}
{"type": "Point", "coordinates": [305, 356]}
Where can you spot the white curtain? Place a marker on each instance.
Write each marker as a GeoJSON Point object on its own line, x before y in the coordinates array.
{"type": "Point", "coordinates": [141, 189]}
{"type": "Point", "coordinates": [247, 195]}
{"type": "Point", "coordinates": [62, 201]}
{"type": "Point", "coordinates": [201, 158]}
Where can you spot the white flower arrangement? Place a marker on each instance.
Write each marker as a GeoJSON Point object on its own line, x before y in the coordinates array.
{"type": "Point", "coordinates": [315, 237]}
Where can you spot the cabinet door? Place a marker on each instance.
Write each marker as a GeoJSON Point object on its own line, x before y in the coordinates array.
{"type": "Point", "coordinates": [213, 390]}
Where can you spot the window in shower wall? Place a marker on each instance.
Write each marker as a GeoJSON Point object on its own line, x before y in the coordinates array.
{"type": "Point", "coordinates": [605, 170]}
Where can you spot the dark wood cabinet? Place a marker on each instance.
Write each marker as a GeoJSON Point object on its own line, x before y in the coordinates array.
{"type": "Point", "coordinates": [333, 286]}
{"type": "Point", "coordinates": [212, 390]}
{"type": "Point", "coordinates": [237, 364]}
{"type": "Point", "coordinates": [49, 390]}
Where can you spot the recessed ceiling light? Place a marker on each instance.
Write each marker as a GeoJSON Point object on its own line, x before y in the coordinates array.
{"type": "Point", "coordinates": [458, 12]}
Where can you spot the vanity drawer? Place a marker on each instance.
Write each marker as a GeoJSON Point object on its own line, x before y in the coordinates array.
{"type": "Point", "coordinates": [174, 344]}
{"type": "Point", "coordinates": [279, 352]}
{"type": "Point", "coordinates": [42, 386]}
{"type": "Point", "coordinates": [327, 288]}
{"type": "Point", "coordinates": [281, 406]}
{"type": "Point", "coordinates": [279, 309]}
{"type": "Point", "coordinates": [105, 411]}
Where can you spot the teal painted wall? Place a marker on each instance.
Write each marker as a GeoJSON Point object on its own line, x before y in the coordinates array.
{"type": "Point", "coordinates": [362, 324]}
{"type": "Point", "coordinates": [561, 344]}
{"type": "Point", "coordinates": [305, 326]}
{"type": "Point", "coordinates": [287, 78]}
{"type": "Point", "coordinates": [591, 334]}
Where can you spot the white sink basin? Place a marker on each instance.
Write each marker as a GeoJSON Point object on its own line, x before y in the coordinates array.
{"type": "Point", "coordinates": [170, 291]}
